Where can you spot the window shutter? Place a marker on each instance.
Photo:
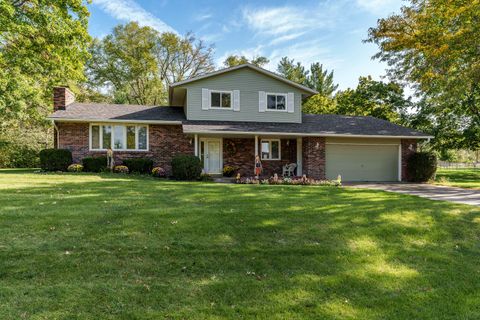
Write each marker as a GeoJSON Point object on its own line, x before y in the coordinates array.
{"type": "Point", "coordinates": [290, 102]}
{"type": "Point", "coordinates": [236, 100]}
{"type": "Point", "coordinates": [262, 101]}
{"type": "Point", "coordinates": [205, 99]}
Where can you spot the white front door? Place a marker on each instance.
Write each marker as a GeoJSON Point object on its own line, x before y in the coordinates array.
{"type": "Point", "coordinates": [212, 155]}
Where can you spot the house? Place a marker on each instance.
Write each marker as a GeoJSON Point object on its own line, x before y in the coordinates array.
{"type": "Point", "coordinates": [229, 116]}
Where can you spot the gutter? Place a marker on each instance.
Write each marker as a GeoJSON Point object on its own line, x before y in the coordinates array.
{"type": "Point", "coordinates": [307, 134]}
{"type": "Point", "coordinates": [114, 121]}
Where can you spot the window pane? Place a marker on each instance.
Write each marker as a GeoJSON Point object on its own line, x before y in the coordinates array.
{"type": "Point", "coordinates": [275, 150]}
{"type": "Point", "coordinates": [95, 137]}
{"type": "Point", "coordinates": [142, 138]}
{"type": "Point", "coordinates": [281, 102]}
{"type": "Point", "coordinates": [271, 102]}
{"type": "Point", "coordinates": [130, 137]}
{"type": "Point", "coordinates": [215, 99]}
{"type": "Point", "coordinates": [119, 137]}
{"type": "Point", "coordinates": [107, 137]}
{"type": "Point", "coordinates": [265, 149]}
{"type": "Point", "coordinates": [226, 100]}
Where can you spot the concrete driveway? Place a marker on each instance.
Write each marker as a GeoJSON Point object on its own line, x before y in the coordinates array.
{"type": "Point", "coordinates": [433, 192]}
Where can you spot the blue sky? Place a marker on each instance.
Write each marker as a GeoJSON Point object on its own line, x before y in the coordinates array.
{"type": "Point", "coordinates": [328, 31]}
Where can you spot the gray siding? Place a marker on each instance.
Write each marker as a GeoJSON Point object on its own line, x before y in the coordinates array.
{"type": "Point", "coordinates": [249, 82]}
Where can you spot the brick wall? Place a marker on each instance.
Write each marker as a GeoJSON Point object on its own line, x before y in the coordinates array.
{"type": "Point", "coordinates": [409, 146]}
{"type": "Point", "coordinates": [166, 141]}
{"type": "Point", "coordinates": [314, 157]}
{"type": "Point", "coordinates": [244, 156]}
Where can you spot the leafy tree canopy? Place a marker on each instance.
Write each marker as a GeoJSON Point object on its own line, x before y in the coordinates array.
{"type": "Point", "coordinates": [434, 46]}
{"type": "Point", "coordinates": [138, 63]}
{"type": "Point", "coordinates": [235, 60]}
{"type": "Point", "coordinates": [42, 44]}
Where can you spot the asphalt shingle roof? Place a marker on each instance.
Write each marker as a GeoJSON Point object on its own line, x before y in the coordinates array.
{"type": "Point", "coordinates": [324, 124]}
{"type": "Point", "coordinates": [321, 124]}
{"type": "Point", "coordinates": [100, 111]}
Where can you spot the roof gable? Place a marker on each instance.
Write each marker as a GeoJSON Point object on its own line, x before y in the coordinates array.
{"type": "Point", "coordinates": [252, 67]}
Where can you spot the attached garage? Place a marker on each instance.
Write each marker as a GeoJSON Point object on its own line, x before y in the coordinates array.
{"type": "Point", "coordinates": [363, 161]}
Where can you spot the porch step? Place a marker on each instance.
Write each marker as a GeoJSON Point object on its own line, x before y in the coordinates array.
{"type": "Point", "coordinates": [223, 179]}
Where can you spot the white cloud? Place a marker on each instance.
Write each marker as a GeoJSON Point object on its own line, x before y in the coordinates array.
{"type": "Point", "coordinates": [203, 16]}
{"type": "Point", "coordinates": [379, 6]}
{"type": "Point", "coordinates": [129, 10]}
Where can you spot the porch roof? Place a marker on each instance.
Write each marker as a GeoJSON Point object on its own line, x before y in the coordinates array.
{"type": "Point", "coordinates": [312, 125]}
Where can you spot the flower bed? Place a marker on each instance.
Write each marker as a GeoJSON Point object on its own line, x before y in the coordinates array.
{"type": "Point", "coordinates": [288, 181]}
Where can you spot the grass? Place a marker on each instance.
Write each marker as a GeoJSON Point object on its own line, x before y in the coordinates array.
{"type": "Point", "coordinates": [121, 247]}
{"type": "Point", "coordinates": [464, 178]}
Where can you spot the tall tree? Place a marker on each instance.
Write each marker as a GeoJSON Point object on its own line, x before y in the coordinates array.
{"type": "Point", "coordinates": [235, 60]}
{"type": "Point", "coordinates": [321, 80]}
{"type": "Point", "coordinates": [374, 98]}
{"type": "Point", "coordinates": [138, 63]}
{"type": "Point", "coordinates": [42, 44]}
{"type": "Point", "coordinates": [292, 71]}
{"type": "Point", "coordinates": [433, 44]}
{"type": "Point", "coordinates": [125, 61]}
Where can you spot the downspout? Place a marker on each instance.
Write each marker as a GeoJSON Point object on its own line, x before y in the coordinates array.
{"type": "Point", "coordinates": [57, 134]}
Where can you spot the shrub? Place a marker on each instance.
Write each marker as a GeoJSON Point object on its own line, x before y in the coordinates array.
{"type": "Point", "coordinates": [75, 168]}
{"type": "Point", "coordinates": [229, 171]}
{"type": "Point", "coordinates": [94, 164]}
{"type": "Point", "coordinates": [139, 165]}
{"type": "Point", "coordinates": [186, 167]}
{"type": "Point", "coordinates": [205, 177]}
{"type": "Point", "coordinates": [55, 159]}
{"type": "Point", "coordinates": [159, 172]}
{"type": "Point", "coordinates": [120, 169]}
{"type": "Point", "coordinates": [421, 166]}
{"type": "Point", "coordinates": [13, 155]}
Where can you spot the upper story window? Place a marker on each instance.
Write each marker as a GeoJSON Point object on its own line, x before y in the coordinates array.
{"type": "Point", "coordinates": [220, 100]}
{"type": "Point", "coordinates": [119, 137]}
{"type": "Point", "coordinates": [276, 102]}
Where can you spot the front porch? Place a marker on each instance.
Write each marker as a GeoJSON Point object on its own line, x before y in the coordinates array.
{"type": "Point", "coordinates": [216, 152]}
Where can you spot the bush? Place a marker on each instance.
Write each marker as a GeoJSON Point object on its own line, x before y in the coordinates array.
{"type": "Point", "coordinates": [421, 166]}
{"type": "Point", "coordinates": [139, 165]}
{"type": "Point", "coordinates": [229, 171]}
{"type": "Point", "coordinates": [75, 168]}
{"type": "Point", "coordinates": [120, 169]}
{"type": "Point", "coordinates": [186, 167]}
{"type": "Point", "coordinates": [159, 172]}
{"type": "Point", "coordinates": [94, 164]}
{"type": "Point", "coordinates": [55, 159]}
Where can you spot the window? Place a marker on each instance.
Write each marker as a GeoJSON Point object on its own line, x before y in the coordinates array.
{"type": "Point", "coordinates": [276, 102]}
{"type": "Point", "coordinates": [121, 137]}
{"type": "Point", "coordinates": [220, 99]}
{"type": "Point", "coordinates": [270, 149]}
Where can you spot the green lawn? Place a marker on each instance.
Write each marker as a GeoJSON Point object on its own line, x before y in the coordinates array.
{"type": "Point", "coordinates": [121, 247]}
{"type": "Point", "coordinates": [464, 178]}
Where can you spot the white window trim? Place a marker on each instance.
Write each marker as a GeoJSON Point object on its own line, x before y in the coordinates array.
{"type": "Point", "coordinates": [220, 91]}
{"type": "Point", "coordinates": [270, 149]}
{"type": "Point", "coordinates": [137, 127]}
{"type": "Point", "coordinates": [275, 94]}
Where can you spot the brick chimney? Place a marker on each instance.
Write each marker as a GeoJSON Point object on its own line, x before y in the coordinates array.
{"type": "Point", "coordinates": [62, 97]}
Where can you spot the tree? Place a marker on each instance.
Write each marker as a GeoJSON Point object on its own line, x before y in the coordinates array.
{"type": "Point", "coordinates": [374, 98]}
{"type": "Point", "coordinates": [320, 104]}
{"type": "Point", "coordinates": [292, 71]}
{"type": "Point", "coordinates": [139, 64]}
{"type": "Point", "coordinates": [42, 44]}
{"type": "Point", "coordinates": [235, 60]}
{"type": "Point", "coordinates": [434, 46]}
{"type": "Point", "coordinates": [125, 61]}
{"type": "Point", "coordinates": [320, 80]}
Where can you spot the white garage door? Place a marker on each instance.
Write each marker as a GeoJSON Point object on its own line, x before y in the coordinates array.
{"type": "Point", "coordinates": [361, 162]}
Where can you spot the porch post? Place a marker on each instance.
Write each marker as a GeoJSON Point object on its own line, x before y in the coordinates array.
{"type": "Point", "coordinates": [299, 156]}
{"type": "Point", "coordinates": [256, 153]}
{"type": "Point", "coordinates": [196, 145]}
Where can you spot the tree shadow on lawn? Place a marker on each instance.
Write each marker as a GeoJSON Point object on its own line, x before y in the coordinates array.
{"type": "Point", "coordinates": [141, 248]}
